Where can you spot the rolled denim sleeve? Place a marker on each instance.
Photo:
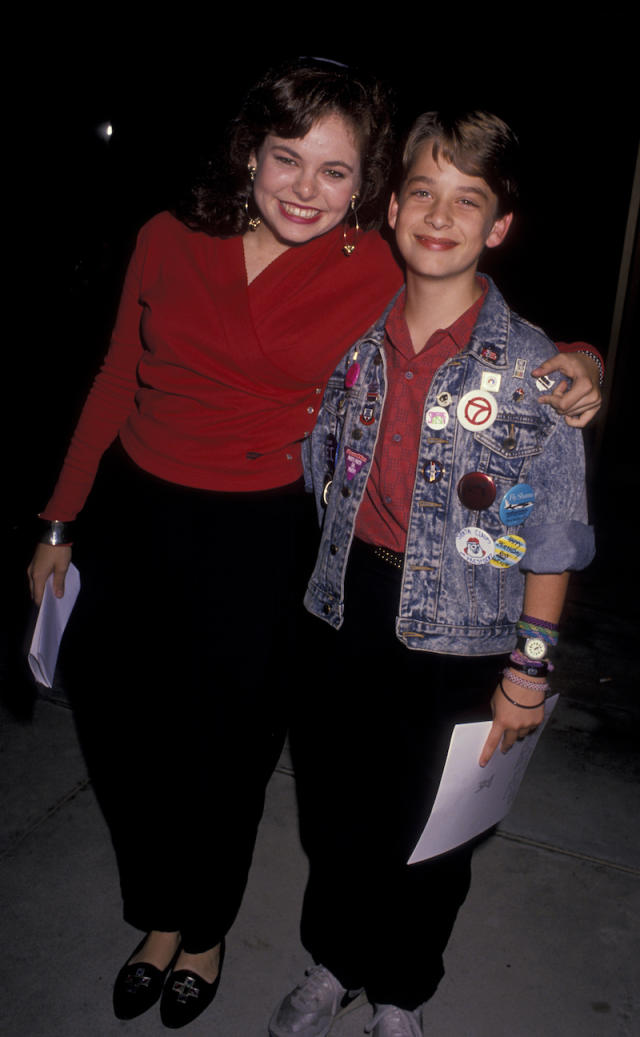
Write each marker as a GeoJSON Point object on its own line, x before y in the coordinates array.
{"type": "Point", "coordinates": [558, 534]}
{"type": "Point", "coordinates": [558, 547]}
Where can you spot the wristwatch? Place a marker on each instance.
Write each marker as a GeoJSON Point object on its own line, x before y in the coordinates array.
{"type": "Point", "coordinates": [534, 648]}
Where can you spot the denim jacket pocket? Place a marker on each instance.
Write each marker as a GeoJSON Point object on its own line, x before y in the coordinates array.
{"type": "Point", "coordinates": [511, 442]}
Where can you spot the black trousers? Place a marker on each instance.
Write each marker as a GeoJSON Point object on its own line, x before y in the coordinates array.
{"type": "Point", "coordinates": [368, 763]}
{"type": "Point", "coordinates": [179, 659]}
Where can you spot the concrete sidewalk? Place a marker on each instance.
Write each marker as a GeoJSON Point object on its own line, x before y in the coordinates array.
{"type": "Point", "coordinates": [547, 944]}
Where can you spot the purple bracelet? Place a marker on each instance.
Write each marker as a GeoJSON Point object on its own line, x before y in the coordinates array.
{"type": "Point", "coordinates": [521, 662]}
{"type": "Point", "coordinates": [538, 622]}
{"type": "Point", "coordinates": [529, 626]}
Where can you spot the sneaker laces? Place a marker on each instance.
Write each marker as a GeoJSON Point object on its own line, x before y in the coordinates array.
{"type": "Point", "coordinates": [400, 1022]}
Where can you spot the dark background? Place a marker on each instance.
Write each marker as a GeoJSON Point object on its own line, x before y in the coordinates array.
{"type": "Point", "coordinates": [80, 199]}
{"type": "Point", "coordinates": [574, 110]}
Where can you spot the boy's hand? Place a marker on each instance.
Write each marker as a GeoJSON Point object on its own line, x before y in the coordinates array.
{"type": "Point", "coordinates": [47, 560]}
{"type": "Point", "coordinates": [511, 722]}
{"type": "Point", "coordinates": [580, 403]}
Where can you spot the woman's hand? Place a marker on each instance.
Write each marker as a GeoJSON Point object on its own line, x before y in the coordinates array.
{"type": "Point", "coordinates": [47, 560]}
{"type": "Point", "coordinates": [511, 722]}
{"type": "Point", "coordinates": [580, 403]}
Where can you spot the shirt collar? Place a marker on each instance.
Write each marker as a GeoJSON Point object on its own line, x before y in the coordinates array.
{"type": "Point", "coordinates": [459, 332]}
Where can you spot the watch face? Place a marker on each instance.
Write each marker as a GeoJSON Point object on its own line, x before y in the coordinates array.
{"type": "Point", "coordinates": [535, 648]}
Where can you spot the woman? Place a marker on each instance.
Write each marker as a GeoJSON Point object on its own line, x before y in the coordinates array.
{"type": "Point", "coordinates": [230, 323]}
{"type": "Point", "coordinates": [192, 550]}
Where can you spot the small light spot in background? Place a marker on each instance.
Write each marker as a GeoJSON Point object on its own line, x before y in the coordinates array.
{"type": "Point", "coordinates": [104, 131]}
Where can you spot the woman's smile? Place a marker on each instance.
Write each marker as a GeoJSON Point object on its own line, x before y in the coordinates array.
{"type": "Point", "coordinates": [299, 214]}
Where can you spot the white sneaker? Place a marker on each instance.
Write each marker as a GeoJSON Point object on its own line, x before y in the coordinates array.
{"type": "Point", "coordinates": [309, 1010]}
{"type": "Point", "coordinates": [389, 1021]}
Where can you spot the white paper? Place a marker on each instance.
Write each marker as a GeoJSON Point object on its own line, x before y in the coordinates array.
{"type": "Point", "coordinates": [472, 798]}
{"type": "Point", "coordinates": [52, 619]}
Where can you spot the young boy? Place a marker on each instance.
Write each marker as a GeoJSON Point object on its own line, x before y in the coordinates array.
{"type": "Point", "coordinates": [453, 507]}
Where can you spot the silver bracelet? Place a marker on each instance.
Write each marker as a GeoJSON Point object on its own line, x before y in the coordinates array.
{"type": "Point", "coordinates": [56, 533]}
{"type": "Point", "coordinates": [597, 361]}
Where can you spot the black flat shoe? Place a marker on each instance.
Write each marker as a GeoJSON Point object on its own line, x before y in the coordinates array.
{"type": "Point", "coordinates": [186, 995]}
{"type": "Point", "coordinates": [138, 986]}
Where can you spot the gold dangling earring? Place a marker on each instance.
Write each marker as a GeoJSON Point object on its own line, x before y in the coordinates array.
{"type": "Point", "coordinates": [253, 222]}
{"type": "Point", "coordinates": [349, 247]}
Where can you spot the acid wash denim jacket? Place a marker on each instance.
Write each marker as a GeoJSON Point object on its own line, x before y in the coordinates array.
{"type": "Point", "coordinates": [448, 605]}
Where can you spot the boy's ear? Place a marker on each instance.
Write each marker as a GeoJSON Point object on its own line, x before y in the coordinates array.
{"type": "Point", "coordinates": [499, 230]}
{"type": "Point", "coordinates": [392, 214]}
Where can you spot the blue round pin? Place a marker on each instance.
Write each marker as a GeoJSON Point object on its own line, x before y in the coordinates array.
{"type": "Point", "coordinates": [517, 504]}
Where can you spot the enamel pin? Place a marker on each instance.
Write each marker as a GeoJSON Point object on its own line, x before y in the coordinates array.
{"type": "Point", "coordinates": [490, 381]}
{"type": "Point", "coordinates": [354, 462]}
{"type": "Point", "coordinates": [433, 470]}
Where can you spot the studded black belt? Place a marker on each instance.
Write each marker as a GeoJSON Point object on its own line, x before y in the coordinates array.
{"type": "Point", "coordinates": [394, 558]}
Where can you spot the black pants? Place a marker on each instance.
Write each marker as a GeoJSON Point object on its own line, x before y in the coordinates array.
{"type": "Point", "coordinates": [179, 659]}
{"type": "Point", "coordinates": [368, 763]}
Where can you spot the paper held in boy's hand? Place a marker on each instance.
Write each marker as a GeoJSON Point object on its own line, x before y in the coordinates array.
{"type": "Point", "coordinates": [52, 619]}
{"type": "Point", "coordinates": [472, 798]}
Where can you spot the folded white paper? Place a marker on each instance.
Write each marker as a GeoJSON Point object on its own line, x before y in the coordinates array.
{"type": "Point", "coordinates": [52, 619]}
{"type": "Point", "coordinates": [472, 798]}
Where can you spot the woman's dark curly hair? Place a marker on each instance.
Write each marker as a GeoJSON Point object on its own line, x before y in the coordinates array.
{"type": "Point", "coordinates": [286, 101]}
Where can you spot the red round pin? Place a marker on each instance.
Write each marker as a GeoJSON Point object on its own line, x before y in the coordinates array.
{"type": "Point", "coordinates": [477, 491]}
